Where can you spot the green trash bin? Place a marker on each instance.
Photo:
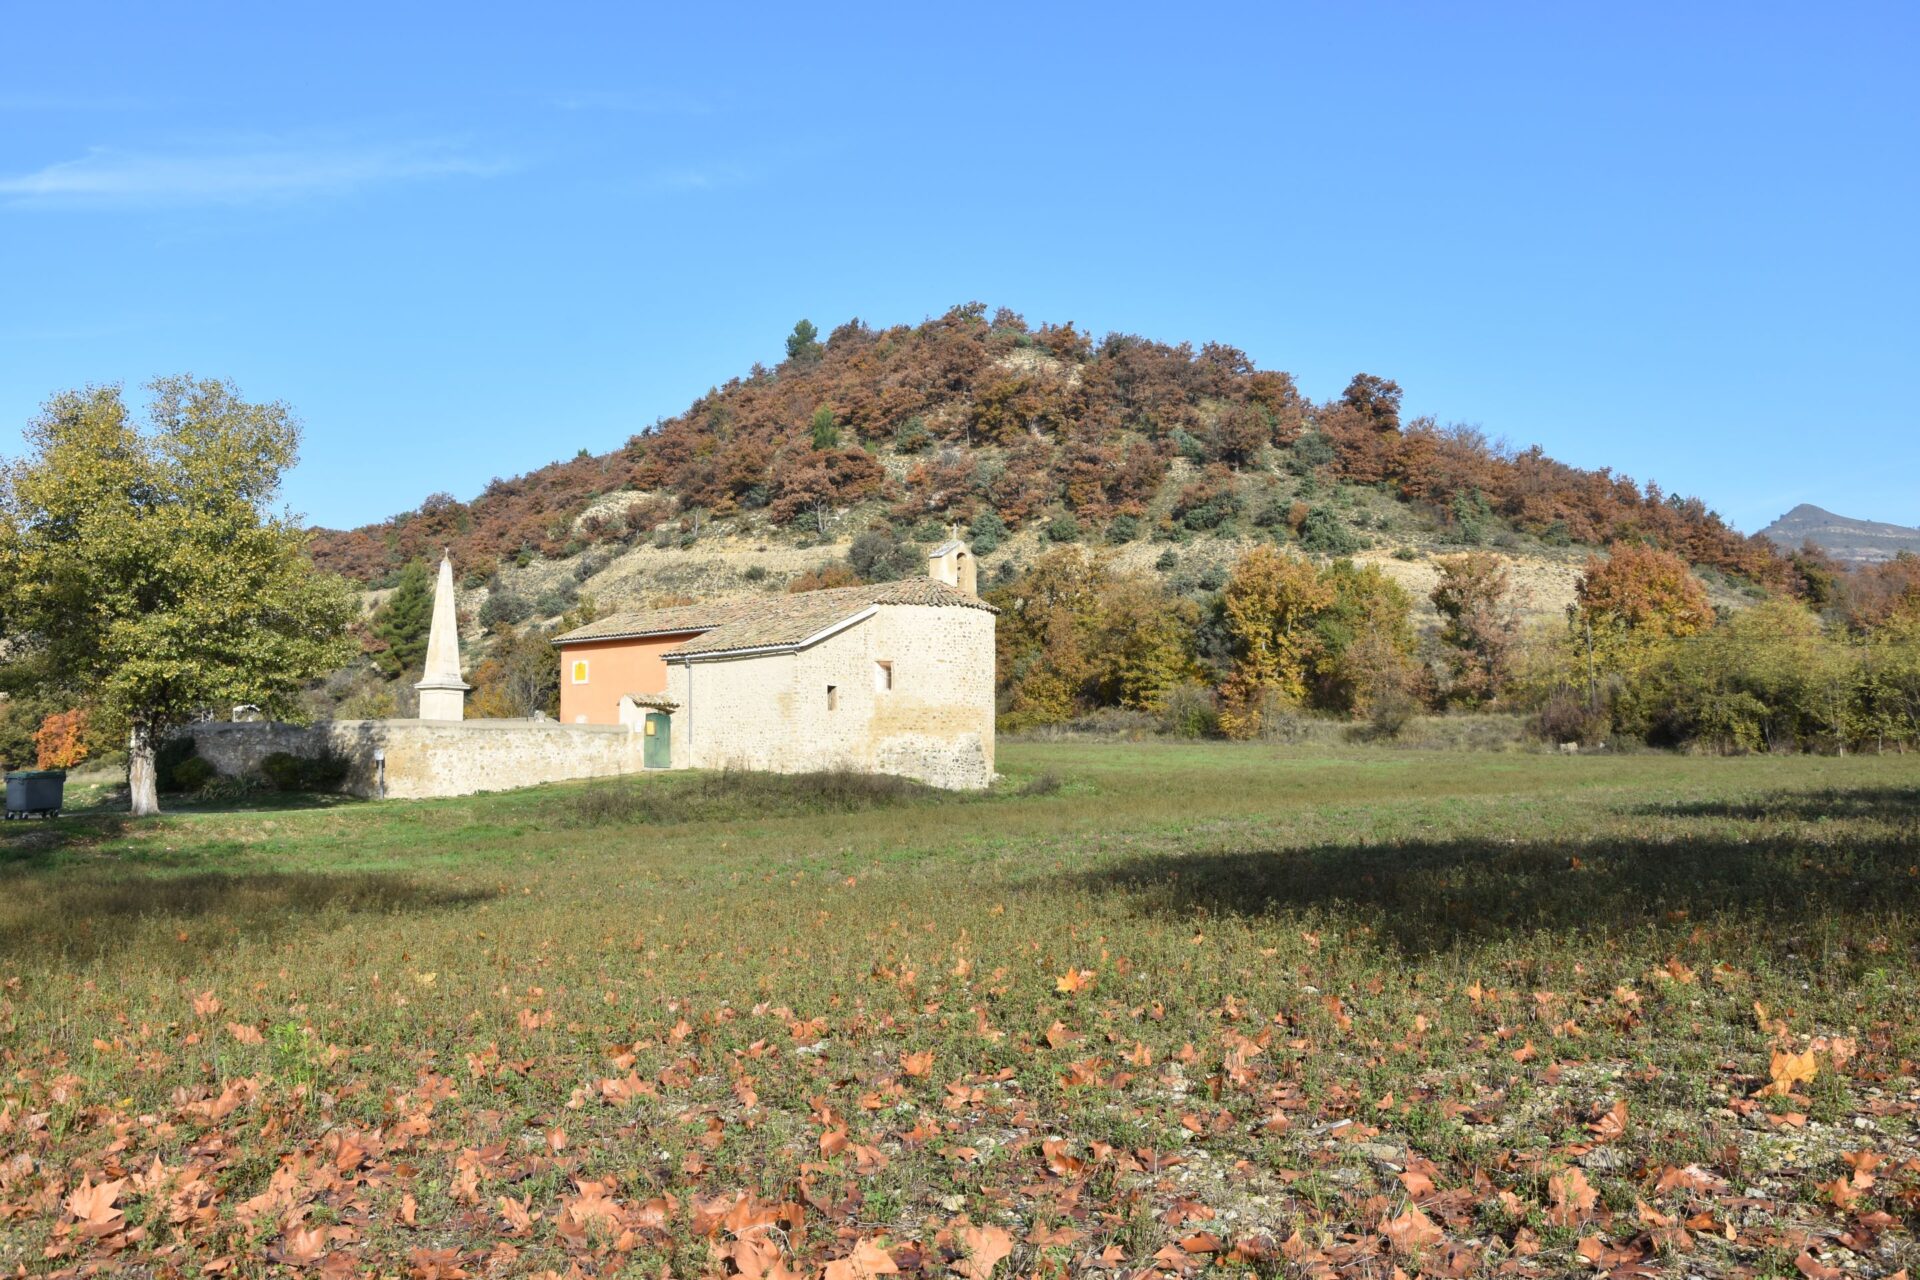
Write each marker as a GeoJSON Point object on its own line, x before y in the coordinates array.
{"type": "Point", "coordinates": [35, 793]}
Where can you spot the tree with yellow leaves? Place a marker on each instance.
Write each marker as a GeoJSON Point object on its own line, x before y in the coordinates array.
{"type": "Point", "coordinates": [1270, 604]}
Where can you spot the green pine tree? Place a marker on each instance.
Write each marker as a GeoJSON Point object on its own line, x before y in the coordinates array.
{"type": "Point", "coordinates": [404, 621]}
{"type": "Point", "coordinates": [823, 428]}
{"type": "Point", "coordinates": [803, 344]}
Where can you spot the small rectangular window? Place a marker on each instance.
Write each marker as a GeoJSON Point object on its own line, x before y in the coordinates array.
{"type": "Point", "coordinates": [882, 676]}
{"type": "Point", "coordinates": [580, 671]}
{"type": "Point", "coordinates": [833, 697]}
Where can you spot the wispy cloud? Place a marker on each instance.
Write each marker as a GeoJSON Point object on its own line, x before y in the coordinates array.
{"type": "Point", "coordinates": [246, 174]}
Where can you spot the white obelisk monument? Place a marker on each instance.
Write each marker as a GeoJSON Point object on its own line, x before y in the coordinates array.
{"type": "Point", "coordinates": [443, 694]}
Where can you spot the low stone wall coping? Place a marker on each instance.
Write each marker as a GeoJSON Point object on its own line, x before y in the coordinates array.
{"type": "Point", "coordinates": [221, 726]}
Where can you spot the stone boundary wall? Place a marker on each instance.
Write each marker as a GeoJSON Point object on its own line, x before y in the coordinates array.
{"type": "Point", "coordinates": [430, 758]}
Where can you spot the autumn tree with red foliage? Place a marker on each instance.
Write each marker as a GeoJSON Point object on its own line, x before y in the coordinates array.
{"type": "Point", "coordinates": [61, 740]}
{"type": "Point", "coordinates": [1479, 627]}
{"type": "Point", "coordinates": [1033, 417]}
{"type": "Point", "coordinates": [1240, 436]}
{"type": "Point", "coordinates": [815, 482]}
{"type": "Point", "coordinates": [1875, 596]}
{"type": "Point", "coordinates": [1643, 590]}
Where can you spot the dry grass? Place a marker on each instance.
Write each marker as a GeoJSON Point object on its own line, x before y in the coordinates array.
{"type": "Point", "coordinates": [1295, 1000]}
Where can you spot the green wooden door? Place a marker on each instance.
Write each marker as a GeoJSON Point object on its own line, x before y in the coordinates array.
{"type": "Point", "coordinates": [657, 754]}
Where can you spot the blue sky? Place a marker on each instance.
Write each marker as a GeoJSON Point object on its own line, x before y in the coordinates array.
{"type": "Point", "coordinates": [467, 240]}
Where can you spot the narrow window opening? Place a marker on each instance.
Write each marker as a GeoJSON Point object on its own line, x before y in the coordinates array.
{"type": "Point", "coordinates": [882, 676]}
{"type": "Point", "coordinates": [833, 697]}
{"type": "Point", "coordinates": [580, 671]}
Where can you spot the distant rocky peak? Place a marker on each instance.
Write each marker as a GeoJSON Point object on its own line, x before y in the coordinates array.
{"type": "Point", "coordinates": [1846, 539]}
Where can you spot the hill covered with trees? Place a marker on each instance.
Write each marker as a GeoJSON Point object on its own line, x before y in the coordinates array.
{"type": "Point", "coordinates": [1178, 542]}
{"type": "Point", "coordinates": [973, 417]}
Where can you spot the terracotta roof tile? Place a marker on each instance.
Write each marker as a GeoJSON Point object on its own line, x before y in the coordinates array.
{"type": "Point", "coordinates": [659, 622]}
{"type": "Point", "coordinates": [760, 621]}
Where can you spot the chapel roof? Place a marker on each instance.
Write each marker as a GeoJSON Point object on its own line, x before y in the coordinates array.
{"type": "Point", "coordinates": [756, 622]}
{"type": "Point", "coordinates": [673, 620]}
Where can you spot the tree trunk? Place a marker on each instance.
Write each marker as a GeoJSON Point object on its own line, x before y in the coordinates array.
{"type": "Point", "coordinates": [142, 782]}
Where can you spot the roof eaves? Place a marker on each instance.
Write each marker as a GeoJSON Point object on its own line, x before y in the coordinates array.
{"type": "Point", "coordinates": [574, 637]}
{"type": "Point", "coordinates": [787, 646]}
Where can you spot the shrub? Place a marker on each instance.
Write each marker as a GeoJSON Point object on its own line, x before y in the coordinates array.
{"type": "Point", "coordinates": [1458, 733]}
{"type": "Point", "coordinates": [1123, 528]}
{"type": "Point", "coordinates": [1044, 785]}
{"type": "Point", "coordinates": [643, 514]}
{"type": "Point", "coordinates": [1121, 723]}
{"type": "Point", "coordinates": [1390, 714]}
{"type": "Point", "coordinates": [1208, 502]}
{"type": "Point", "coordinates": [1168, 561]}
{"type": "Point", "coordinates": [285, 771]}
{"type": "Point", "coordinates": [1472, 518]}
{"type": "Point", "coordinates": [755, 573]}
{"type": "Point", "coordinates": [1310, 451]}
{"type": "Point", "coordinates": [1566, 717]}
{"type": "Point", "coordinates": [282, 769]}
{"type": "Point", "coordinates": [177, 768]}
{"type": "Point", "coordinates": [1063, 528]}
{"type": "Point", "coordinates": [504, 608]}
{"type": "Point", "coordinates": [877, 557]}
{"type": "Point", "coordinates": [1190, 710]}
{"type": "Point", "coordinates": [913, 436]}
{"type": "Point", "coordinates": [327, 772]}
{"type": "Point", "coordinates": [1282, 724]}
{"type": "Point", "coordinates": [1323, 531]}
{"type": "Point", "coordinates": [191, 774]}
{"type": "Point", "coordinates": [590, 563]}
{"type": "Point", "coordinates": [824, 577]}
{"type": "Point", "coordinates": [987, 532]}
{"type": "Point", "coordinates": [372, 701]}
{"type": "Point", "coordinates": [557, 600]}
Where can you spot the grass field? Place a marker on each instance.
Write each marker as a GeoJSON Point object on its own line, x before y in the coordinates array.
{"type": "Point", "coordinates": [1278, 1010]}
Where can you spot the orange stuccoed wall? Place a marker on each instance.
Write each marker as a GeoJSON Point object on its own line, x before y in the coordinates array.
{"type": "Point", "coordinates": [614, 668]}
